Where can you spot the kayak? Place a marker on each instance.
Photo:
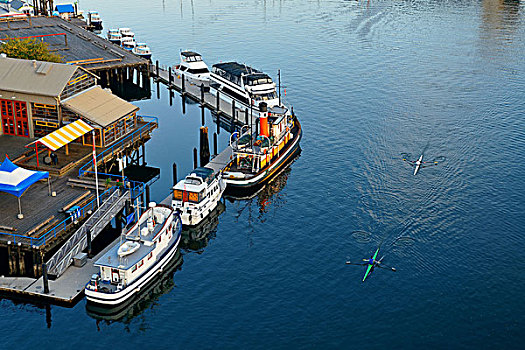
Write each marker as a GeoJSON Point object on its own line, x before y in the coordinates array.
{"type": "Point", "coordinates": [369, 268]}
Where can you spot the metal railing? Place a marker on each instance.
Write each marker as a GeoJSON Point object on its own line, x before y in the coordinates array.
{"type": "Point", "coordinates": [59, 228]}
{"type": "Point", "coordinates": [137, 134]}
{"type": "Point", "coordinates": [62, 259]}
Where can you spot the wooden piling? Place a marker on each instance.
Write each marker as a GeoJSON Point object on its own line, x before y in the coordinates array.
{"type": "Point", "coordinates": [233, 109]}
{"type": "Point", "coordinates": [174, 172]}
{"type": "Point", "coordinates": [147, 195]}
{"type": "Point", "coordinates": [218, 107]}
{"type": "Point", "coordinates": [202, 93]}
{"type": "Point", "coordinates": [183, 86]}
{"type": "Point", "coordinates": [194, 158]}
{"type": "Point", "coordinates": [214, 144]}
{"type": "Point", "coordinates": [45, 279]}
{"type": "Point", "coordinates": [204, 146]}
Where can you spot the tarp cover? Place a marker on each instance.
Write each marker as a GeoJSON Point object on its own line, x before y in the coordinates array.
{"type": "Point", "coordinates": [16, 180]}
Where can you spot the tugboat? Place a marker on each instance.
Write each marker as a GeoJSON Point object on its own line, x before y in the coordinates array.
{"type": "Point", "coordinates": [94, 20]}
{"type": "Point", "coordinates": [114, 36]}
{"type": "Point", "coordinates": [142, 50]}
{"type": "Point", "coordinates": [192, 66]}
{"type": "Point", "coordinates": [247, 86]}
{"type": "Point", "coordinates": [147, 248]}
{"type": "Point", "coordinates": [197, 195]}
{"type": "Point", "coordinates": [258, 156]}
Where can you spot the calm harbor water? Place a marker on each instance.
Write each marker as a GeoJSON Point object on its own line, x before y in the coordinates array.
{"type": "Point", "coordinates": [369, 80]}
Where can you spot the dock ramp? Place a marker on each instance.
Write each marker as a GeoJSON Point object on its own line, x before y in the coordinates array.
{"type": "Point", "coordinates": [63, 258]}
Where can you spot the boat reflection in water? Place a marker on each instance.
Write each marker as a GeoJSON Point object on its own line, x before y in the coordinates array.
{"type": "Point", "coordinates": [196, 238]}
{"type": "Point", "coordinates": [266, 192]}
{"type": "Point", "coordinates": [143, 300]}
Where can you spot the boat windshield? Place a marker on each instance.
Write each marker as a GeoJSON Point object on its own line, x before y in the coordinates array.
{"type": "Point", "coordinates": [265, 97]}
{"type": "Point", "coordinates": [198, 70]}
{"type": "Point", "coordinates": [188, 196]}
{"type": "Point", "coordinates": [258, 79]}
{"type": "Point", "coordinates": [193, 58]}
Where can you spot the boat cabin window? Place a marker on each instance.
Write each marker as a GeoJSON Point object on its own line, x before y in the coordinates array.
{"type": "Point", "coordinates": [266, 97]}
{"type": "Point", "coordinates": [187, 196]}
{"type": "Point", "coordinates": [257, 80]}
{"type": "Point", "coordinates": [198, 70]}
{"type": "Point", "coordinates": [193, 58]}
{"type": "Point", "coordinates": [192, 181]}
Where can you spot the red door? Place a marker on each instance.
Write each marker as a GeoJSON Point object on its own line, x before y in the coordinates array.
{"type": "Point", "coordinates": [8, 119]}
{"type": "Point", "coordinates": [14, 118]}
{"type": "Point", "coordinates": [20, 110]}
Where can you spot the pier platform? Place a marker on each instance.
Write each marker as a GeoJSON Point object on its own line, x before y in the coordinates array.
{"type": "Point", "coordinates": [66, 290]}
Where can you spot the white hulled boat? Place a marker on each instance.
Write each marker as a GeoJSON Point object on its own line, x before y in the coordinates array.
{"type": "Point", "coordinates": [197, 195]}
{"type": "Point", "coordinates": [126, 33]}
{"type": "Point", "coordinates": [93, 19]}
{"type": "Point", "coordinates": [114, 36]}
{"type": "Point", "coordinates": [128, 43]}
{"type": "Point", "coordinates": [133, 262]}
{"type": "Point", "coordinates": [142, 50]}
{"type": "Point", "coordinates": [247, 86]}
{"type": "Point", "coordinates": [192, 66]}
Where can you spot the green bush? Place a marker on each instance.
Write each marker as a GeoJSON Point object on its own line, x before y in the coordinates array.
{"type": "Point", "coordinates": [29, 49]}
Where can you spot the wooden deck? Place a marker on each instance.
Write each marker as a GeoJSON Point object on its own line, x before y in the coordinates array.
{"type": "Point", "coordinates": [65, 290]}
{"type": "Point", "coordinates": [78, 45]}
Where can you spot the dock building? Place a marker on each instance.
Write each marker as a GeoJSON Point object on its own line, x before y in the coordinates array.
{"type": "Point", "coordinates": [125, 73]}
{"type": "Point", "coordinates": [49, 114]}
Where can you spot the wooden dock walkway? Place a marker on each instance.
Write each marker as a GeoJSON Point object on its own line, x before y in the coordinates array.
{"type": "Point", "coordinates": [66, 290]}
{"type": "Point", "coordinates": [195, 91]}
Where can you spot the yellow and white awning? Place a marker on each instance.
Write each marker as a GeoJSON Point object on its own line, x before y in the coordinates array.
{"type": "Point", "coordinates": [65, 135]}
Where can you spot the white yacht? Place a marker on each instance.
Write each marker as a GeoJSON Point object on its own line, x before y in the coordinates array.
{"type": "Point", "coordinates": [126, 32]}
{"type": "Point", "coordinates": [133, 262]}
{"type": "Point", "coordinates": [197, 195]}
{"type": "Point", "coordinates": [247, 86]}
{"type": "Point", "coordinates": [142, 50]}
{"type": "Point", "coordinates": [114, 36]}
{"type": "Point", "coordinates": [192, 66]}
{"type": "Point", "coordinates": [128, 43]}
{"type": "Point", "coordinates": [93, 19]}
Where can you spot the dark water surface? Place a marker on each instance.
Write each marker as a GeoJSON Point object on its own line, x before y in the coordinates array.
{"type": "Point", "coordinates": [368, 80]}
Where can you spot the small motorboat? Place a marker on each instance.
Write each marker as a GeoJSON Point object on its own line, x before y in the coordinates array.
{"type": "Point", "coordinates": [128, 43]}
{"type": "Point", "coordinates": [142, 50]}
{"type": "Point", "coordinates": [192, 66]}
{"type": "Point", "coordinates": [114, 36]}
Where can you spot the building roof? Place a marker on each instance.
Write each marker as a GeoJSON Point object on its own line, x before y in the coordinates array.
{"type": "Point", "coordinates": [82, 48]}
{"type": "Point", "coordinates": [65, 8]}
{"type": "Point", "coordinates": [99, 106]}
{"type": "Point", "coordinates": [34, 77]}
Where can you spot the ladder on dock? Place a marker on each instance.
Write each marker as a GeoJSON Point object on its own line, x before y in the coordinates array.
{"type": "Point", "coordinates": [61, 260]}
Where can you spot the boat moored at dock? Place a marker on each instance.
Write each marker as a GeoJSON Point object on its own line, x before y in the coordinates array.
{"type": "Point", "coordinates": [197, 195]}
{"type": "Point", "coordinates": [142, 50]}
{"type": "Point", "coordinates": [128, 43]}
{"type": "Point", "coordinates": [147, 248]}
{"type": "Point", "coordinates": [114, 36]}
{"type": "Point", "coordinates": [192, 66]}
{"type": "Point", "coordinates": [94, 20]}
{"type": "Point", "coordinates": [126, 33]}
{"type": "Point", "coordinates": [257, 157]}
{"type": "Point", "coordinates": [247, 86]}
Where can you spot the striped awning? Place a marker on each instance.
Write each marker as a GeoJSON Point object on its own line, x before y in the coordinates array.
{"type": "Point", "coordinates": [65, 135]}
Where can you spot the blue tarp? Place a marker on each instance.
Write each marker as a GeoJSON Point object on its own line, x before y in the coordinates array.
{"type": "Point", "coordinates": [65, 8]}
{"type": "Point", "coordinates": [16, 180]}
